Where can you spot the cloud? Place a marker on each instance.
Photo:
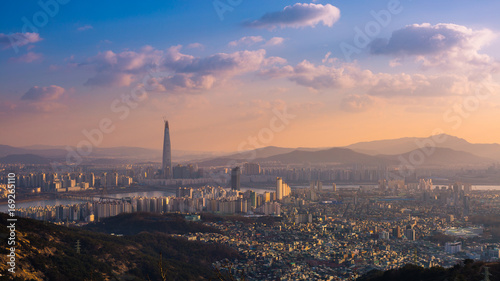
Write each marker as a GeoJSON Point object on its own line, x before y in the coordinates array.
{"type": "Point", "coordinates": [110, 79]}
{"type": "Point", "coordinates": [251, 40]}
{"type": "Point", "coordinates": [171, 69]}
{"type": "Point", "coordinates": [195, 46]}
{"type": "Point", "coordinates": [307, 74]}
{"type": "Point", "coordinates": [229, 64]}
{"type": "Point", "coordinates": [442, 45]}
{"type": "Point", "coordinates": [327, 59]}
{"type": "Point", "coordinates": [275, 41]}
{"type": "Point", "coordinates": [50, 93]}
{"type": "Point", "coordinates": [349, 76]}
{"type": "Point", "coordinates": [297, 16]}
{"type": "Point", "coordinates": [181, 81]}
{"type": "Point", "coordinates": [247, 40]}
{"type": "Point", "coordinates": [119, 69]}
{"type": "Point", "coordinates": [6, 107]}
{"type": "Point", "coordinates": [252, 110]}
{"type": "Point", "coordinates": [103, 43]}
{"type": "Point", "coordinates": [45, 106]}
{"type": "Point", "coordinates": [356, 103]}
{"type": "Point", "coordinates": [85, 27]}
{"type": "Point", "coordinates": [191, 72]}
{"type": "Point", "coordinates": [27, 58]}
{"type": "Point", "coordinates": [18, 39]}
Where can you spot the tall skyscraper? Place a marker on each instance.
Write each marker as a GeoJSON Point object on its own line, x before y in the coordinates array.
{"type": "Point", "coordinates": [279, 188]}
{"type": "Point", "coordinates": [235, 178]}
{"type": "Point", "coordinates": [167, 155]}
{"type": "Point", "coordinates": [396, 232]}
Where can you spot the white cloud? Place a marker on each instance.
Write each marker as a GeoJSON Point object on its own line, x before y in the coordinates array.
{"type": "Point", "coordinates": [297, 16]}
{"type": "Point", "coordinates": [27, 58]}
{"type": "Point", "coordinates": [85, 27]}
{"type": "Point", "coordinates": [247, 40]}
{"type": "Point", "coordinates": [18, 39]}
{"type": "Point", "coordinates": [195, 46]}
{"type": "Point", "coordinates": [275, 41]}
{"type": "Point", "coordinates": [350, 76]}
{"type": "Point", "coordinates": [50, 93]}
{"type": "Point", "coordinates": [327, 59]}
{"type": "Point", "coordinates": [172, 69]}
{"type": "Point", "coordinates": [119, 69]}
{"type": "Point", "coordinates": [442, 45]}
{"type": "Point", "coordinates": [356, 103]}
{"type": "Point", "coordinates": [110, 79]}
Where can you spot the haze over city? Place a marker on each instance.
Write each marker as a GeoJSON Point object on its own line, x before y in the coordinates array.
{"type": "Point", "coordinates": [344, 70]}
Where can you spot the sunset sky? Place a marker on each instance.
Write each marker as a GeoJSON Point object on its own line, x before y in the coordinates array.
{"type": "Point", "coordinates": [344, 72]}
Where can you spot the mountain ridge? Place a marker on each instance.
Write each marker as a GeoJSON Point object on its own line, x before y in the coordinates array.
{"type": "Point", "coordinates": [380, 149]}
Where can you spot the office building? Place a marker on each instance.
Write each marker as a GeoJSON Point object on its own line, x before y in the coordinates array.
{"type": "Point", "coordinates": [235, 178]}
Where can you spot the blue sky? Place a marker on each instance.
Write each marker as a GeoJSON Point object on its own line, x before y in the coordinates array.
{"type": "Point", "coordinates": [285, 54]}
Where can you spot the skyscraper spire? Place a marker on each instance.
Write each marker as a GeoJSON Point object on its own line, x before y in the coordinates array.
{"type": "Point", "coordinates": [167, 156]}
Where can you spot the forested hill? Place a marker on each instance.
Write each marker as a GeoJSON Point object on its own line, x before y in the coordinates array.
{"type": "Point", "coordinates": [468, 270]}
{"type": "Point", "coordinates": [48, 252]}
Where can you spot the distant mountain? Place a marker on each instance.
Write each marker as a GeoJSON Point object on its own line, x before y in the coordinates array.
{"type": "Point", "coordinates": [263, 152]}
{"type": "Point", "coordinates": [373, 152]}
{"type": "Point", "coordinates": [24, 159]}
{"type": "Point", "coordinates": [127, 152]}
{"type": "Point", "coordinates": [121, 154]}
{"type": "Point", "coordinates": [438, 158]}
{"type": "Point", "coordinates": [404, 145]}
{"type": "Point", "coordinates": [7, 150]}
{"type": "Point", "coordinates": [441, 157]}
{"type": "Point", "coordinates": [336, 155]}
{"type": "Point", "coordinates": [254, 155]}
{"type": "Point", "coordinates": [41, 147]}
{"type": "Point", "coordinates": [220, 161]}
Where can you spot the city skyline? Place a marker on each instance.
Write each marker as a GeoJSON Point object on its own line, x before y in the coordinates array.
{"type": "Point", "coordinates": [342, 70]}
{"type": "Point", "coordinates": [250, 140]}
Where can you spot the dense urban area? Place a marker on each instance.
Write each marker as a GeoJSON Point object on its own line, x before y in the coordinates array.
{"type": "Point", "coordinates": [308, 230]}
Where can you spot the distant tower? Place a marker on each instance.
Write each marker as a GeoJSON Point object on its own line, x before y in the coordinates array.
{"type": "Point", "coordinates": [166, 167]}
{"type": "Point", "coordinates": [235, 178]}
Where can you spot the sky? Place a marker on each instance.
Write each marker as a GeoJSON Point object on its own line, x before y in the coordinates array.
{"type": "Point", "coordinates": [238, 74]}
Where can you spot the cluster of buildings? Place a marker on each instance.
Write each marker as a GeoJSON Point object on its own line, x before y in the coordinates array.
{"type": "Point", "coordinates": [345, 234]}
{"type": "Point", "coordinates": [63, 182]}
{"type": "Point", "coordinates": [187, 200]}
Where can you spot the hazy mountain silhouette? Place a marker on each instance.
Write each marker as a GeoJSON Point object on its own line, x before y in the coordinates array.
{"type": "Point", "coordinates": [373, 152]}
{"type": "Point", "coordinates": [124, 153]}
{"type": "Point", "coordinates": [7, 150]}
{"type": "Point", "coordinates": [260, 152]}
{"type": "Point", "coordinates": [404, 145]}
{"type": "Point", "coordinates": [24, 159]}
{"type": "Point", "coordinates": [440, 156]}
{"type": "Point", "coordinates": [336, 155]}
